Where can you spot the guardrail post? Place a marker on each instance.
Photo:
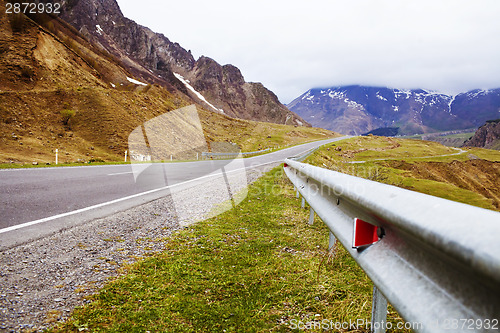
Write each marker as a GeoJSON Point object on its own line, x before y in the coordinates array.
{"type": "Point", "coordinates": [379, 312]}
{"type": "Point", "coordinates": [298, 194]}
{"type": "Point", "coordinates": [331, 241]}
{"type": "Point", "coordinates": [311, 216]}
{"type": "Point", "coordinates": [303, 202]}
{"type": "Point", "coordinates": [418, 284]}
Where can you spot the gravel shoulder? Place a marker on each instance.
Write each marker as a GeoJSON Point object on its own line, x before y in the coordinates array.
{"type": "Point", "coordinates": [43, 281]}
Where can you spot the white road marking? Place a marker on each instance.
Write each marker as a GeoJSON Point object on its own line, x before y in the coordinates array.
{"type": "Point", "coordinates": [27, 224]}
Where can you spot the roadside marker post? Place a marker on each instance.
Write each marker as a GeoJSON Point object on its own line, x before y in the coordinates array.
{"type": "Point", "coordinates": [311, 216]}
{"type": "Point", "coordinates": [331, 240]}
{"type": "Point", "coordinates": [379, 311]}
{"type": "Point", "coordinates": [57, 157]}
{"type": "Point", "coordinates": [366, 234]}
{"type": "Point", "coordinates": [126, 155]}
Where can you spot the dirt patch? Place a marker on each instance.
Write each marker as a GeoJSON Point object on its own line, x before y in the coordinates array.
{"type": "Point", "coordinates": [479, 176]}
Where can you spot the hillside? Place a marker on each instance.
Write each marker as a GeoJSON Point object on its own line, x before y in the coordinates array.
{"type": "Point", "coordinates": [58, 91]}
{"type": "Point", "coordinates": [358, 109]}
{"type": "Point", "coordinates": [154, 58]}
{"type": "Point", "coordinates": [487, 136]}
{"type": "Point", "coordinates": [471, 177]}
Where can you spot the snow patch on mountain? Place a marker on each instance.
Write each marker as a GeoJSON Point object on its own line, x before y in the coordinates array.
{"type": "Point", "coordinates": [308, 96]}
{"type": "Point", "coordinates": [475, 93]}
{"type": "Point", "coordinates": [200, 96]}
{"type": "Point", "coordinates": [452, 99]}
{"type": "Point", "coordinates": [352, 103]}
{"type": "Point", "coordinates": [402, 93]}
{"type": "Point", "coordinates": [136, 82]}
{"type": "Point", "coordinates": [336, 94]}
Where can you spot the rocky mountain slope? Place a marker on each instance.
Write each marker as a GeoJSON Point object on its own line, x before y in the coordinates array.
{"type": "Point", "coordinates": [59, 91]}
{"type": "Point", "coordinates": [154, 58]}
{"type": "Point", "coordinates": [360, 109]}
{"type": "Point", "coordinates": [487, 136]}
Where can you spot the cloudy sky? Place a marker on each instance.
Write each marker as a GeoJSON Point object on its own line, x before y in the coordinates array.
{"type": "Point", "coordinates": [291, 46]}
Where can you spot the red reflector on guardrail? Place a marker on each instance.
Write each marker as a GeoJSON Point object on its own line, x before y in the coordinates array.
{"type": "Point", "coordinates": [285, 165]}
{"type": "Point", "coordinates": [364, 233]}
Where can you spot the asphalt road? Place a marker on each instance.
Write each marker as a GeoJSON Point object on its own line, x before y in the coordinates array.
{"type": "Point", "coordinates": [39, 195]}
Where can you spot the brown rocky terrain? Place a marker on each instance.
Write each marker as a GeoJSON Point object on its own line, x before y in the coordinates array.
{"type": "Point", "coordinates": [470, 176]}
{"type": "Point", "coordinates": [59, 91]}
{"type": "Point", "coordinates": [46, 71]}
{"type": "Point", "coordinates": [477, 175]}
{"type": "Point", "coordinates": [487, 136]}
{"type": "Point", "coordinates": [154, 58]}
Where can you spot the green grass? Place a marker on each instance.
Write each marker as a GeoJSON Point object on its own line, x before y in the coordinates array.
{"type": "Point", "coordinates": [371, 150]}
{"type": "Point", "coordinates": [451, 140]}
{"type": "Point", "coordinates": [256, 268]}
{"type": "Point", "coordinates": [487, 154]}
{"type": "Point", "coordinates": [461, 136]}
{"type": "Point", "coordinates": [52, 165]}
{"type": "Point", "coordinates": [447, 191]}
{"type": "Point", "coordinates": [380, 148]}
{"type": "Point", "coordinates": [260, 267]}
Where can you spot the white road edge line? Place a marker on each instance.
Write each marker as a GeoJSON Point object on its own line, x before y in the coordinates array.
{"type": "Point", "coordinates": [27, 224]}
{"type": "Point", "coordinates": [120, 173]}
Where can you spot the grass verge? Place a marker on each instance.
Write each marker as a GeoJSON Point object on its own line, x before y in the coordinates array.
{"type": "Point", "coordinates": [472, 177]}
{"type": "Point", "coordinates": [256, 268]}
{"type": "Point", "coordinates": [48, 165]}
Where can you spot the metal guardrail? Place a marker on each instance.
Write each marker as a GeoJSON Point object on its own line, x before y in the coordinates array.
{"type": "Point", "coordinates": [222, 155]}
{"type": "Point", "coordinates": [438, 262]}
{"type": "Point", "coordinates": [305, 154]}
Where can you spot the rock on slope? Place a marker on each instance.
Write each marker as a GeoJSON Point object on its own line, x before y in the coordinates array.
{"type": "Point", "coordinates": [153, 57]}
{"type": "Point", "coordinates": [487, 136]}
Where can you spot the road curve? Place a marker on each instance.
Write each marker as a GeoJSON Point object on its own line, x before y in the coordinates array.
{"type": "Point", "coordinates": [66, 196]}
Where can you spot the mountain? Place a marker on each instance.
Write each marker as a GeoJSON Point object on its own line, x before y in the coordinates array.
{"type": "Point", "coordinates": [384, 131]}
{"type": "Point", "coordinates": [60, 91]}
{"type": "Point", "coordinates": [359, 109]}
{"type": "Point", "coordinates": [487, 136]}
{"type": "Point", "coordinates": [155, 59]}
{"type": "Point", "coordinates": [55, 93]}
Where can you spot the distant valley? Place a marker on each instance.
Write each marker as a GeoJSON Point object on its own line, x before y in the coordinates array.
{"type": "Point", "coordinates": [357, 110]}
